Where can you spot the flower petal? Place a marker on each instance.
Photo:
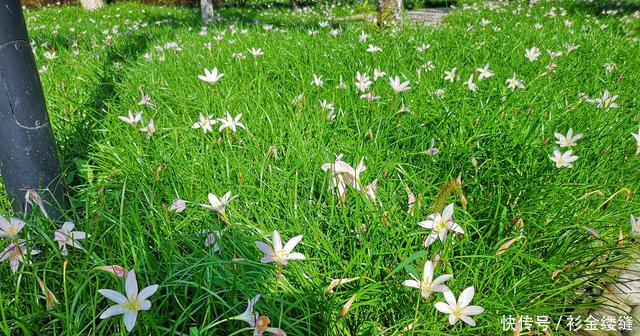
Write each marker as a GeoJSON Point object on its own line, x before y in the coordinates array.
{"type": "Point", "coordinates": [466, 296]}
{"type": "Point", "coordinates": [147, 292]}
{"type": "Point", "coordinates": [443, 307]}
{"type": "Point", "coordinates": [130, 320]}
{"type": "Point", "coordinates": [473, 310]}
{"type": "Point", "coordinates": [131, 284]}
{"type": "Point", "coordinates": [291, 244]}
{"type": "Point", "coordinates": [266, 249]}
{"type": "Point", "coordinates": [111, 311]}
{"type": "Point", "coordinates": [112, 295]}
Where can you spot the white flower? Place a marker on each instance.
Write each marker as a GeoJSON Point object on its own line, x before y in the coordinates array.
{"type": "Point", "coordinates": [259, 324]}
{"type": "Point", "coordinates": [256, 52]}
{"type": "Point", "coordinates": [532, 54]}
{"type": "Point", "coordinates": [10, 228]}
{"type": "Point", "coordinates": [363, 36]}
{"type": "Point", "coordinates": [569, 140]}
{"type": "Point", "coordinates": [50, 55]}
{"type": "Point", "coordinates": [16, 255]}
{"type": "Point", "coordinates": [451, 75]}
{"type": "Point", "coordinates": [554, 54]}
{"type": "Point", "coordinates": [606, 100]}
{"type": "Point", "coordinates": [427, 284]}
{"type": "Point", "coordinates": [439, 225]}
{"type": "Point", "coordinates": [397, 86]}
{"type": "Point", "coordinates": [131, 119]}
{"type": "Point", "coordinates": [440, 93]}
{"type": "Point", "coordinates": [371, 96]}
{"type": "Point", "coordinates": [637, 137]}
{"type": "Point", "coordinates": [433, 150]}
{"type": "Point", "coordinates": [363, 82]}
{"type": "Point", "coordinates": [149, 129]}
{"type": "Point", "coordinates": [341, 84]}
{"type": "Point", "coordinates": [570, 47]}
{"type": "Point", "coordinates": [513, 83]}
{"type": "Point", "coordinates": [635, 225]}
{"type": "Point", "coordinates": [280, 255]}
{"type": "Point", "coordinates": [373, 49]}
{"type": "Point", "coordinates": [212, 240]}
{"type": "Point", "coordinates": [377, 73]}
{"type": "Point", "coordinates": [218, 204]}
{"type": "Point", "coordinates": [178, 205]}
{"type": "Point", "coordinates": [471, 85]}
{"type": "Point", "coordinates": [212, 76]}
{"type": "Point", "coordinates": [459, 309]}
{"type": "Point", "coordinates": [423, 47]}
{"type": "Point", "coordinates": [130, 304]}
{"type": "Point", "coordinates": [370, 191]}
{"type": "Point", "coordinates": [609, 67]}
{"type": "Point", "coordinates": [31, 196]}
{"type": "Point", "coordinates": [317, 80]}
{"type": "Point", "coordinates": [231, 123]}
{"type": "Point", "coordinates": [205, 123]}
{"type": "Point", "coordinates": [66, 236]}
{"type": "Point", "coordinates": [484, 72]}
{"type": "Point", "coordinates": [563, 159]}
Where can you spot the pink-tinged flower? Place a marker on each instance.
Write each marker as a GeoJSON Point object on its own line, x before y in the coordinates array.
{"type": "Point", "coordinates": [344, 174]}
{"type": "Point", "coordinates": [116, 270]}
{"type": "Point", "coordinates": [131, 119]}
{"type": "Point", "coordinates": [563, 159]}
{"type": "Point", "coordinates": [10, 228]}
{"type": "Point", "coordinates": [212, 240]}
{"type": "Point", "coordinates": [212, 76]}
{"type": "Point", "coordinates": [428, 284]}
{"type": "Point", "coordinates": [370, 190]}
{"type": "Point", "coordinates": [433, 150]}
{"type": "Point", "coordinates": [377, 73]}
{"type": "Point", "coordinates": [439, 225]}
{"type": "Point", "coordinates": [397, 86]}
{"type": "Point", "coordinates": [149, 129]}
{"type": "Point", "coordinates": [178, 205]}
{"type": "Point", "coordinates": [130, 304]}
{"type": "Point", "coordinates": [32, 196]}
{"type": "Point", "coordinates": [48, 295]}
{"type": "Point", "coordinates": [280, 255]}
{"type": "Point", "coordinates": [16, 254]}
{"type": "Point", "coordinates": [363, 82]}
{"type": "Point", "coordinates": [145, 100]}
{"type": "Point", "coordinates": [66, 236]}
{"type": "Point", "coordinates": [459, 309]}
{"type": "Point", "coordinates": [260, 324]}
{"type": "Point", "coordinates": [205, 123]}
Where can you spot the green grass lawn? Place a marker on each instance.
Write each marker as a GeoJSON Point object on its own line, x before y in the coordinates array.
{"type": "Point", "coordinates": [498, 140]}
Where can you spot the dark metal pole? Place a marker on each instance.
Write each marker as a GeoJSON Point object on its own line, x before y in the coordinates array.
{"type": "Point", "coordinates": [28, 157]}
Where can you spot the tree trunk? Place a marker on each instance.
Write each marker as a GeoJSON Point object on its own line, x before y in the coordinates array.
{"type": "Point", "coordinates": [91, 4]}
{"type": "Point", "coordinates": [206, 8]}
{"type": "Point", "coordinates": [389, 12]}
